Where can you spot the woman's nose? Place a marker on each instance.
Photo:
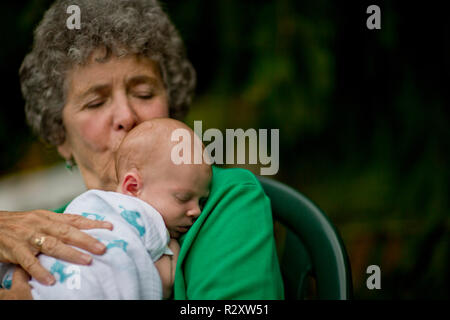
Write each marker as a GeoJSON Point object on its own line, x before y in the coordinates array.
{"type": "Point", "coordinates": [125, 117]}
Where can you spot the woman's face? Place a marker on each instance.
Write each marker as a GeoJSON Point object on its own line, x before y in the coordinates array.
{"type": "Point", "coordinates": [105, 101]}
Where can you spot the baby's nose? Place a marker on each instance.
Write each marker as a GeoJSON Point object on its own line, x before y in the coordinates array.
{"type": "Point", "coordinates": [194, 212]}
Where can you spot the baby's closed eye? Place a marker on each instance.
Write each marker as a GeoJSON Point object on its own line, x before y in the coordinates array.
{"type": "Point", "coordinates": [183, 197]}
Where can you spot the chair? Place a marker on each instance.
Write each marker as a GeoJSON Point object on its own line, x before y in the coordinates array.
{"type": "Point", "coordinates": [312, 247]}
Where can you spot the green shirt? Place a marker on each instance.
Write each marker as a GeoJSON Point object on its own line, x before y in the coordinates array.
{"type": "Point", "coordinates": [229, 252]}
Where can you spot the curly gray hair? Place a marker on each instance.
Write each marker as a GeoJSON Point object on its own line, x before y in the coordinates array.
{"type": "Point", "coordinates": [122, 27]}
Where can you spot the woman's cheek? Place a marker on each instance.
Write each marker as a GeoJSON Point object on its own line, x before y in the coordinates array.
{"type": "Point", "coordinates": [158, 108]}
{"type": "Point", "coordinates": [94, 133]}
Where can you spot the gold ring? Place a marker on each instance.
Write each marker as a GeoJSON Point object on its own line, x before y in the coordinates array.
{"type": "Point", "coordinates": [39, 242]}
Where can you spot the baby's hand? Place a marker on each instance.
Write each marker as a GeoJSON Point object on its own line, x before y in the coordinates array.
{"type": "Point", "coordinates": [166, 266]}
{"type": "Point", "coordinates": [175, 247]}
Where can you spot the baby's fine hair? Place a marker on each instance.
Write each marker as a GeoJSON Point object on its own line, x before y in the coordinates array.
{"type": "Point", "coordinates": [145, 143]}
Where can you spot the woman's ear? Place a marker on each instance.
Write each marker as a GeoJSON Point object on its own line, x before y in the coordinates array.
{"type": "Point", "coordinates": [65, 150]}
{"type": "Point", "coordinates": [131, 184]}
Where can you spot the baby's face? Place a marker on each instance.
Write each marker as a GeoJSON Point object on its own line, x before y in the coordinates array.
{"type": "Point", "coordinates": [178, 192]}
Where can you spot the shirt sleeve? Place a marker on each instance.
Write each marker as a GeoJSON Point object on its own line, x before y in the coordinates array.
{"type": "Point", "coordinates": [60, 209]}
{"type": "Point", "coordinates": [233, 255]}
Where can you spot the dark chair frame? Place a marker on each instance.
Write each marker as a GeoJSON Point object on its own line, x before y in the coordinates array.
{"type": "Point", "coordinates": [312, 247]}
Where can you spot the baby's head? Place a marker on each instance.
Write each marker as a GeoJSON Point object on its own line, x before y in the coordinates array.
{"type": "Point", "coordinates": [145, 170]}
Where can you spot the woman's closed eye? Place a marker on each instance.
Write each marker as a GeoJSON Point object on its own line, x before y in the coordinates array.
{"type": "Point", "coordinates": [95, 104]}
{"type": "Point", "coordinates": [143, 95]}
{"type": "Point", "coordinates": [142, 91]}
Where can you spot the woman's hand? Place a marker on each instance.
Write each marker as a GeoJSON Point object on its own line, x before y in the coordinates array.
{"type": "Point", "coordinates": [24, 234]}
{"type": "Point", "coordinates": [20, 289]}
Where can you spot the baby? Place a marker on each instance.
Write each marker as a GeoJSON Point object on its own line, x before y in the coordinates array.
{"type": "Point", "coordinates": [154, 203]}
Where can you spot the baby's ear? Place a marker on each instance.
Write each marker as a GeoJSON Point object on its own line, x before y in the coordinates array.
{"type": "Point", "coordinates": [131, 184]}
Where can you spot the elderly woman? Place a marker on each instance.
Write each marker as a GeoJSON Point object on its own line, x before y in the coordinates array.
{"type": "Point", "coordinates": [84, 90]}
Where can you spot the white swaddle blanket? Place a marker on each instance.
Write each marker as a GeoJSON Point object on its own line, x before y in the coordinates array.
{"type": "Point", "coordinates": [126, 270]}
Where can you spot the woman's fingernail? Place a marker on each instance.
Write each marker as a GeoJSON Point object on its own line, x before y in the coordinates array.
{"type": "Point", "coordinates": [108, 225]}
{"type": "Point", "coordinates": [100, 247]}
{"type": "Point", "coordinates": [50, 280]}
{"type": "Point", "coordinates": [86, 258]}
